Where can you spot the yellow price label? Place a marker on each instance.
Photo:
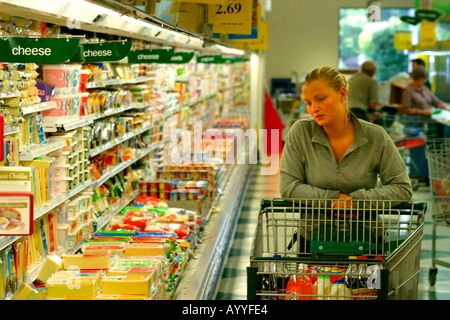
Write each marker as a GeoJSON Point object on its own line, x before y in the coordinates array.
{"type": "Point", "coordinates": [427, 36]}
{"type": "Point", "coordinates": [402, 41]}
{"type": "Point", "coordinates": [231, 17]}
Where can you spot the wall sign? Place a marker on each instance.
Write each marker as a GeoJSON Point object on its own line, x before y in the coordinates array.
{"type": "Point", "coordinates": [100, 52]}
{"type": "Point", "coordinates": [150, 56]}
{"type": "Point", "coordinates": [37, 50]}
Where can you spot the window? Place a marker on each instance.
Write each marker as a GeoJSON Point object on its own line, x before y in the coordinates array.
{"type": "Point", "coordinates": [360, 40]}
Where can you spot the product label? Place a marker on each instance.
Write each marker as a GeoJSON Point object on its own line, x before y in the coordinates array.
{"type": "Point", "coordinates": [37, 50]}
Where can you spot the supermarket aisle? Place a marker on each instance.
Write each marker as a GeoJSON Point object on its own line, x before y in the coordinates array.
{"type": "Point", "coordinates": [233, 285]}
{"type": "Point", "coordinates": [234, 278]}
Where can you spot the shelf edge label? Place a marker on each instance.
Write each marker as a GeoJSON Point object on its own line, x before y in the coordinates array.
{"type": "Point", "coordinates": [37, 50]}
{"type": "Point", "coordinates": [101, 52]}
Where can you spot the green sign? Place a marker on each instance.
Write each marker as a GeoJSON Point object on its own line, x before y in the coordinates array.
{"type": "Point", "coordinates": [210, 59]}
{"type": "Point", "coordinates": [410, 20]}
{"type": "Point", "coordinates": [37, 50]}
{"type": "Point", "coordinates": [150, 56]}
{"type": "Point", "coordinates": [430, 15]}
{"type": "Point", "coordinates": [181, 57]}
{"type": "Point", "coordinates": [103, 51]}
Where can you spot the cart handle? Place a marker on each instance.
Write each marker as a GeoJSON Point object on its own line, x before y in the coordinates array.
{"type": "Point", "coordinates": [404, 207]}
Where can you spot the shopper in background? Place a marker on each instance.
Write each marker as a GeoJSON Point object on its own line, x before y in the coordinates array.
{"type": "Point", "coordinates": [417, 99]}
{"type": "Point", "coordinates": [335, 155]}
{"type": "Point", "coordinates": [420, 63]}
{"type": "Point", "coordinates": [363, 91]}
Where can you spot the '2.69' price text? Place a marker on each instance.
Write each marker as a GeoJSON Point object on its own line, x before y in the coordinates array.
{"type": "Point", "coordinates": [232, 8]}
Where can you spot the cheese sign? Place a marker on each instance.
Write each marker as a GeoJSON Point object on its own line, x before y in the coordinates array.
{"type": "Point", "coordinates": [150, 56]}
{"type": "Point", "coordinates": [100, 52]}
{"type": "Point", "coordinates": [37, 50]}
{"type": "Point", "coordinates": [233, 16]}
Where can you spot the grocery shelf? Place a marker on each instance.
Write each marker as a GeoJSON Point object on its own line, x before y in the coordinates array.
{"type": "Point", "coordinates": [43, 149]}
{"type": "Point", "coordinates": [68, 126]}
{"type": "Point", "coordinates": [201, 278]}
{"type": "Point", "coordinates": [126, 164]}
{"type": "Point", "coordinates": [42, 106]}
{"type": "Point", "coordinates": [117, 82]}
{"type": "Point", "coordinates": [110, 112]}
{"type": "Point", "coordinates": [39, 212]}
{"type": "Point", "coordinates": [112, 143]}
{"type": "Point", "coordinates": [33, 273]}
{"type": "Point", "coordinates": [11, 129]}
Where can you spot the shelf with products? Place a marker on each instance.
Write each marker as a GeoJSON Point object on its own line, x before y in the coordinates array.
{"type": "Point", "coordinates": [29, 155]}
{"type": "Point", "coordinates": [136, 157]}
{"type": "Point", "coordinates": [119, 140]}
{"type": "Point", "coordinates": [163, 111]}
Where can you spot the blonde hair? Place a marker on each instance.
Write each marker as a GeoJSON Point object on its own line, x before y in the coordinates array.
{"type": "Point", "coordinates": [332, 77]}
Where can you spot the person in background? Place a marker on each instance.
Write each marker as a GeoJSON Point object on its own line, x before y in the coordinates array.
{"type": "Point", "coordinates": [363, 91]}
{"type": "Point", "coordinates": [418, 99]}
{"type": "Point", "coordinates": [335, 155]}
{"type": "Point", "coordinates": [420, 63]}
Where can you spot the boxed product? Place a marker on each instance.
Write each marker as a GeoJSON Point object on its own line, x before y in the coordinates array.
{"type": "Point", "coordinates": [118, 285]}
{"type": "Point", "coordinates": [86, 261]}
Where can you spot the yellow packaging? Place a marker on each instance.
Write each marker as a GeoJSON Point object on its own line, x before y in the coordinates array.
{"type": "Point", "coordinates": [121, 297]}
{"type": "Point", "coordinates": [86, 261]}
{"type": "Point", "coordinates": [152, 272]}
{"type": "Point", "coordinates": [118, 285]}
{"type": "Point", "coordinates": [146, 249]}
{"type": "Point", "coordinates": [52, 264]}
{"type": "Point", "coordinates": [25, 292]}
{"type": "Point", "coordinates": [72, 287]}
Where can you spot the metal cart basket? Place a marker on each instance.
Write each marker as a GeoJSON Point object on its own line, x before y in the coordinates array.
{"type": "Point", "coordinates": [327, 249]}
{"type": "Point", "coordinates": [438, 155]}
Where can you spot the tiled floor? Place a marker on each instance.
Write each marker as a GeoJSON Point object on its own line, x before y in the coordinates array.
{"type": "Point", "coordinates": [233, 285]}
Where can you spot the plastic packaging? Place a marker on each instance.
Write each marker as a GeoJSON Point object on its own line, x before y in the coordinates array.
{"type": "Point", "coordinates": [301, 284]}
{"type": "Point", "coordinates": [339, 291]}
{"type": "Point", "coordinates": [323, 287]}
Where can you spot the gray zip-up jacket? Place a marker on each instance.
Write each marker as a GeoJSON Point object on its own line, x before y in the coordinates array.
{"type": "Point", "coordinates": [309, 169]}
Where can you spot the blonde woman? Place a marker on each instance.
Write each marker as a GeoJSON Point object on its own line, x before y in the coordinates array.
{"type": "Point", "coordinates": [335, 155]}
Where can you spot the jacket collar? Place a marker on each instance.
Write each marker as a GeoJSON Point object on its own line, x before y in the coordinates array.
{"type": "Point", "coordinates": [319, 136]}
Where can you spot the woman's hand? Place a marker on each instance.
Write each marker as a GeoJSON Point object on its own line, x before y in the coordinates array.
{"type": "Point", "coordinates": [346, 204]}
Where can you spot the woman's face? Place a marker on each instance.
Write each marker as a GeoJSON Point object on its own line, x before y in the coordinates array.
{"type": "Point", "coordinates": [323, 102]}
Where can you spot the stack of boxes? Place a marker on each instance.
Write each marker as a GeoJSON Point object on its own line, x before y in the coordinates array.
{"type": "Point", "coordinates": [71, 165]}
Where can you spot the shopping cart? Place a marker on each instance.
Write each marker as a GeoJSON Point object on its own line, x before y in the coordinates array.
{"type": "Point", "coordinates": [307, 249]}
{"type": "Point", "coordinates": [438, 156]}
{"type": "Point", "coordinates": [410, 134]}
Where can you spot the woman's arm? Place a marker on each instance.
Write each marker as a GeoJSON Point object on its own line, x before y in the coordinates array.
{"type": "Point", "coordinates": [396, 184]}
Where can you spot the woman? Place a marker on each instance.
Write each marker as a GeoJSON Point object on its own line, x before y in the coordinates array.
{"type": "Point", "coordinates": [417, 98]}
{"type": "Point", "coordinates": [335, 155]}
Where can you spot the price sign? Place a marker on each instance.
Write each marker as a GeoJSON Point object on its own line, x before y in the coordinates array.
{"type": "Point", "coordinates": [427, 36]}
{"type": "Point", "coordinates": [402, 41]}
{"type": "Point", "coordinates": [233, 16]}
